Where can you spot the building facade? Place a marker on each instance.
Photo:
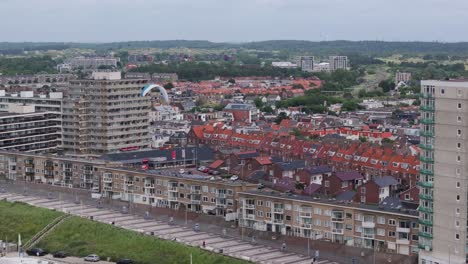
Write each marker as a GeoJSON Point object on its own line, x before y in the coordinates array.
{"type": "Point", "coordinates": [106, 115]}
{"type": "Point", "coordinates": [390, 230]}
{"type": "Point", "coordinates": [338, 63]}
{"type": "Point", "coordinates": [51, 102]}
{"type": "Point", "coordinates": [402, 77]}
{"type": "Point", "coordinates": [306, 63]}
{"type": "Point", "coordinates": [24, 129]}
{"type": "Point", "coordinates": [443, 179]}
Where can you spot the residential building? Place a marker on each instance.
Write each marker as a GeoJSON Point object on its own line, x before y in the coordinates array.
{"type": "Point", "coordinates": [165, 113]}
{"type": "Point", "coordinates": [24, 129]}
{"type": "Point", "coordinates": [443, 175]}
{"type": "Point", "coordinates": [105, 114]}
{"type": "Point", "coordinates": [306, 63]}
{"type": "Point", "coordinates": [92, 62]}
{"type": "Point", "coordinates": [242, 112]}
{"type": "Point", "coordinates": [284, 64]}
{"type": "Point", "coordinates": [35, 79]}
{"type": "Point", "coordinates": [50, 102]}
{"type": "Point", "coordinates": [390, 228]}
{"type": "Point", "coordinates": [402, 77]}
{"type": "Point", "coordinates": [338, 63]}
{"type": "Point", "coordinates": [376, 190]}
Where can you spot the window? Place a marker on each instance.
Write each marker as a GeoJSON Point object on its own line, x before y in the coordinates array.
{"type": "Point", "coordinates": [327, 212]}
{"type": "Point", "coordinates": [459, 132]}
{"type": "Point", "coordinates": [344, 184]}
{"type": "Point", "coordinates": [381, 220]}
{"type": "Point", "coordinates": [205, 199]}
{"type": "Point", "coordinates": [349, 227]}
{"type": "Point", "coordinates": [459, 92]}
{"type": "Point", "coordinates": [457, 171]}
{"type": "Point", "coordinates": [287, 206]}
{"type": "Point", "coordinates": [318, 222]}
{"type": "Point", "coordinates": [457, 236]}
{"type": "Point", "coordinates": [391, 233]}
{"type": "Point", "coordinates": [391, 222]}
{"type": "Point", "coordinates": [268, 215]}
{"type": "Point", "coordinates": [268, 204]}
{"type": "Point", "coordinates": [359, 229]}
{"type": "Point", "coordinates": [317, 211]}
{"type": "Point", "coordinates": [407, 197]}
{"type": "Point", "coordinates": [326, 223]}
{"type": "Point", "coordinates": [380, 232]}
{"type": "Point", "coordinates": [363, 190]}
{"type": "Point", "coordinates": [458, 118]}
{"type": "Point", "coordinates": [288, 218]}
{"type": "Point", "coordinates": [458, 184]}
{"type": "Point", "coordinates": [457, 223]}
{"type": "Point", "coordinates": [349, 216]}
{"type": "Point", "coordinates": [457, 211]}
{"type": "Point", "coordinates": [442, 91]}
{"type": "Point", "coordinates": [458, 198]}
{"type": "Point", "coordinates": [259, 203]}
{"type": "Point", "coordinates": [260, 213]}
{"type": "Point", "coordinates": [414, 237]}
{"type": "Point", "coordinates": [213, 200]}
{"type": "Point", "coordinates": [327, 183]}
{"type": "Point", "coordinates": [359, 217]}
{"type": "Point", "coordinates": [458, 145]}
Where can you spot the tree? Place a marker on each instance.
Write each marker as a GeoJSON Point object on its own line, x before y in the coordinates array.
{"type": "Point", "coordinates": [386, 141]}
{"type": "Point", "coordinates": [363, 139]}
{"type": "Point", "coordinates": [299, 186]}
{"type": "Point", "coordinates": [168, 86]}
{"type": "Point", "coordinates": [218, 107]}
{"type": "Point", "coordinates": [258, 102]}
{"type": "Point", "coordinates": [267, 109]}
{"type": "Point", "coordinates": [362, 93]}
{"type": "Point", "coordinates": [280, 117]}
{"type": "Point", "coordinates": [387, 85]}
{"type": "Point", "coordinates": [231, 80]}
{"type": "Point", "coordinates": [349, 106]}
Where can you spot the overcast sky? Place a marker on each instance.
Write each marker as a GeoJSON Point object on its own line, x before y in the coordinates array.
{"type": "Point", "coordinates": [233, 20]}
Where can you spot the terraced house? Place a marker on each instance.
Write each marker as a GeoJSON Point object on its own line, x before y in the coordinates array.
{"type": "Point", "coordinates": [390, 227]}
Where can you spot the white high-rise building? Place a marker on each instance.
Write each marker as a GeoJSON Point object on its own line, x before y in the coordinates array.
{"type": "Point", "coordinates": [444, 172]}
{"type": "Point", "coordinates": [338, 63]}
{"type": "Point", "coordinates": [306, 63]}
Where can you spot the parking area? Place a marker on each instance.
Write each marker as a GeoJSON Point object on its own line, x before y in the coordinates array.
{"type": "Point", "coordinates": [167, 230]}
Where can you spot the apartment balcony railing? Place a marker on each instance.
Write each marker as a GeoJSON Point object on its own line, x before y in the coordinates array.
{"type": "Point", "coordinates": [426, 159]}
{"type": "Point", "coordinates": [277, 210]}
{"type": "Point", "coordinates": [425, 222]}
{"type": "Point", "coordinates": [425, 197]}
{"type": "Point", "coordinates": [426, 146]}
{"type": "Point", "coordinates": [424, 234]}
{"type": "Point", "coordinates": [427, 108]}
{"type": "Point", "coordinates": [426, 133]}
{"type": "Point", "coordinates": [249, 206]}
{"type": "Point", "coordinates": [427, 121]}
{"type": "Point", "coordinates": [426, 172]}
{"type": "Point", "coordinates": [425, 209]}
{"type": "Point", "coordinates": [425, 184]}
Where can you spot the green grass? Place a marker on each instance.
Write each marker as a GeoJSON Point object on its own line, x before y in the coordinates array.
{"type": "Point", "coordinates": [80, 237]}
{"type": "Point", "coordinates": [20, 218]}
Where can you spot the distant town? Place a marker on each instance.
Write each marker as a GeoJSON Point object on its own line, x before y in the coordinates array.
{"type": "Point", "coordinates": [365, 154]}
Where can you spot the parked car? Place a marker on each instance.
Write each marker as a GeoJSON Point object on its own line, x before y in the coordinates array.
{"type": "Point", "coordinates": [215, 172]}
{"type": "Point", "coordinates": [181, 171]}
{"type": "Point", "coordinates": [60, 254]}
{"type": "Point", "coordinates": [36, 252]}
{"type": "Point", "coordinates": [234, 178]}
{"type": "Point", "coordinates": [206, 170]}
{"type": "Point", "coordinates": [92, 258]}
{"type": "Point", "coordinates": [201, 168]}
{"type": "Point", "coordinates": [125, 261]}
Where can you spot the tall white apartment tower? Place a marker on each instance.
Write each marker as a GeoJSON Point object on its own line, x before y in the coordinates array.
{"type": "Point", "coordinates": [306, 63]}
{"type": "Point", "coordinates": [443, 172]}
{"type": "Point", "coordinates": [338, 62]}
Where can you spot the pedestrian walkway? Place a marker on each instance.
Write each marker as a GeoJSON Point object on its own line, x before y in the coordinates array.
{"type": "Point", "coordinates": [229, 246]}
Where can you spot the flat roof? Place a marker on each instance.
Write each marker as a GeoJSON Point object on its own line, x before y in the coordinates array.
{"type": "Point", "coordinates": [327, 201]}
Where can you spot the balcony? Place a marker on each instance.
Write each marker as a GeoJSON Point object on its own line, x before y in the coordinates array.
{"type": "Point", "coordinates": [108, 188]}
{"type": "Point", "coordinates": [337, 219]}
{"type": "Point", "coordinates": [425, 184]}
{"type": "Point", "coordinates": [425, 222]}
{"type": "Point", "coordinates": [172, 188]}
{"type": "Point", "coordinates": [149, 185]}
{"type": "Point", "coordinates": [221, 195]}
{"type": "Point", "coordinates": [172, 198]}
{"type": "Point", "coordinates": [278, 221]}
{"type": "Point", "coordinates": [368, 235]}
{"type": "Point", "coordinates": [403, 241]}
{"type": "Point", "coordinates": [337, 231]}
{"type": "Point", "coordinates": [249, 206]}
{"type": "Point", "coordinates": [305, 213]}
{"type": "Point", "coordinates": [426, 210]}
{"type": "Point", "coordinates": [195, 190]}
{"type": "Point", "coordinates": [195, 201]}
{"type": "Point", "coordinates": [278, 210]}
{"type": "Point", "coordinates": [129, 183]}
{"type": "Point", "coordinates": [426, 133]}
{"type": "Point", "coordinates": [250, 216]}
{"type": "Point", "coordinates": [425, 247]}
{"type": "Point", "coordinates": [306, 226]}
{"type": "Point", "coordinates": [426, 146]}
{"type": "Point", "coordinates": [424, 234]}
{"type": "Point", "coordinates": [427, 121]}
{"type": "Point", "coordinates": [426, 159]}
{"type": "Point", "coordinates": [427, 108]}
{"type": "Point", "coordinates": [425, 197]}
{"type": "Point", "coordinates": [403, 229]}
{"type": "Point", "coordinates": [426, 96]}
{"type": "Point", "coordinates": [221, 205]}
{"type": "Point", "coordinates": [366, 224]}
{"type": "Point", "coordinates": [426, 172]}
{"type": "Point", "coordinates": [107, 180]}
